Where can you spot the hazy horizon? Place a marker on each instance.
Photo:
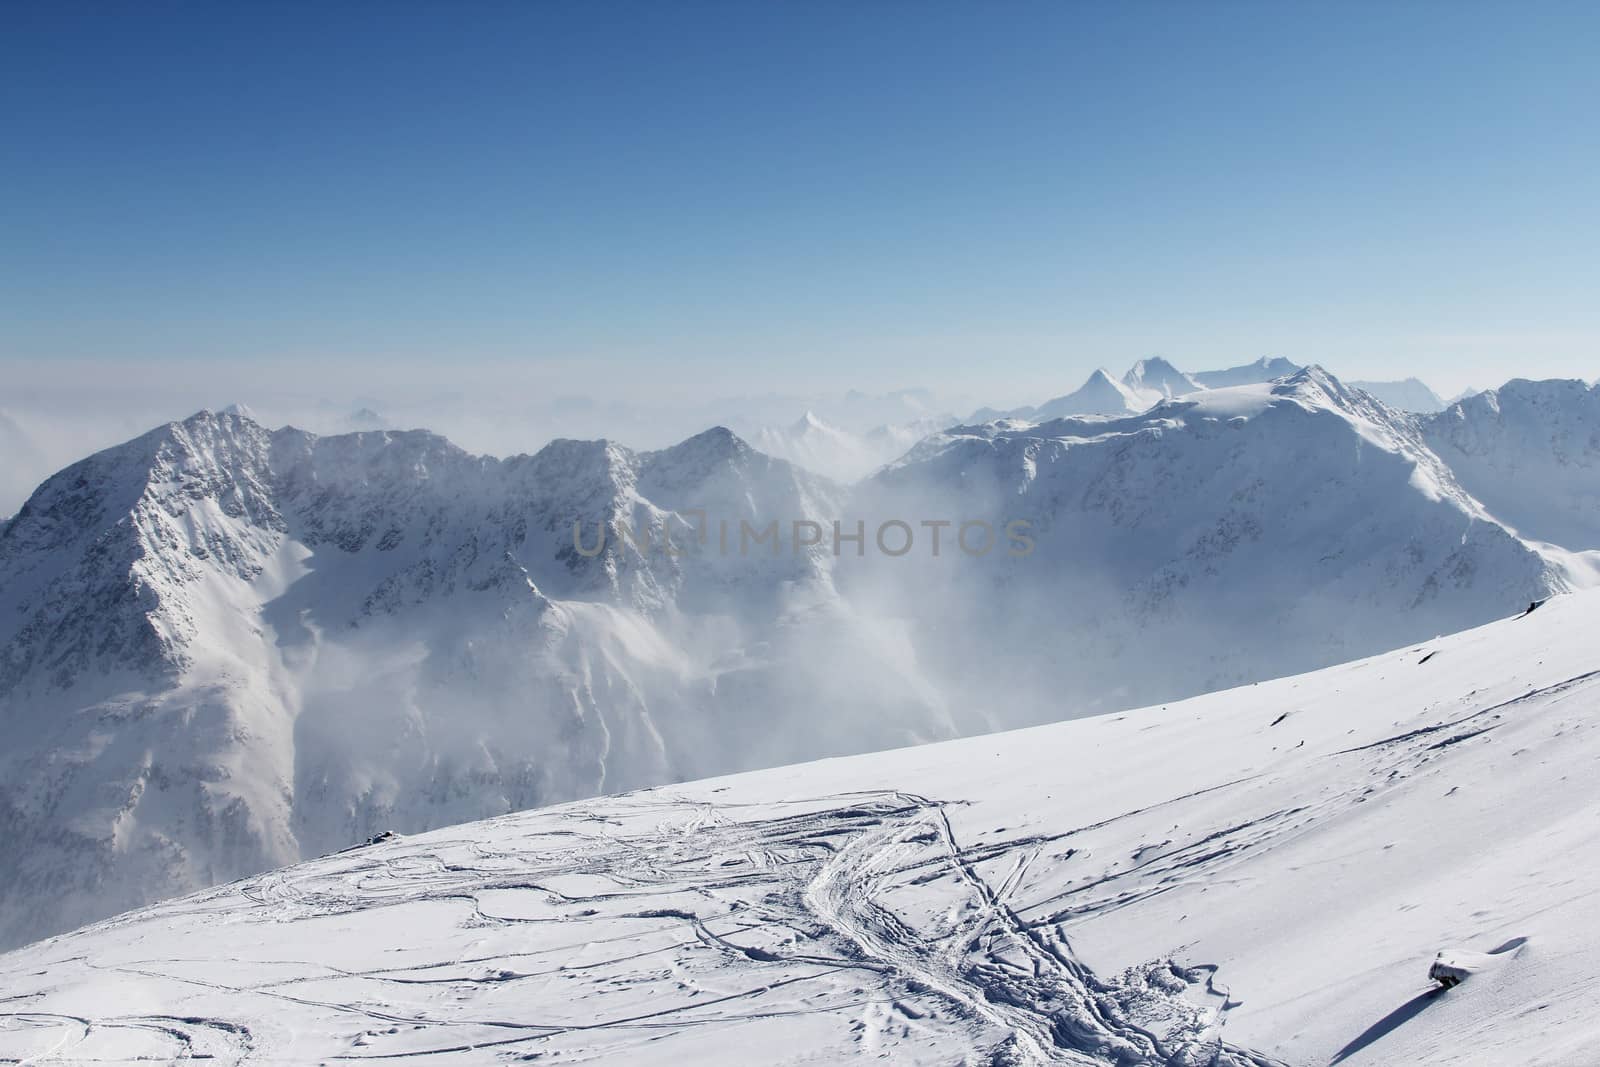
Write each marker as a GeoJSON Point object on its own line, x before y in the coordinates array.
{"type": "Point", "coordinates": [67, 410]}
{"type": "Point", "coordinates": [635, 203]}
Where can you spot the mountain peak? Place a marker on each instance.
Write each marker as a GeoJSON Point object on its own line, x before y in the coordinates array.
{"type": "Point", "coordinates": [718, 440]}
{"type": "Point", "coordinates": [1409, 394]}
{"type": "Point", "coordinates": [694, 457]}
{"type": "Point", "coordinates": [1156, 375]}
{"type": "Point", "coordinates": [1318, 387]}
{"type": "Point", "coordinates": [810, 422]}
{"type": "Point", "coordinates": [1265, 369]}
{"type": "Point", "coordinates": [1100, 395]}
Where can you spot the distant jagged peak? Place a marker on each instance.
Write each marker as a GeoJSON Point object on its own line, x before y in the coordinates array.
{"type": "Point", "coordinates": [809, 423]}
{"type": "Point", "coordinates": [1156, 375]}
{"type": "Point", "coordinates": [1265, 369]}
{"type": "Point", "coordinates": [1406, 394]}
{"type": "Point", "coordinates": [988, 414]}
{"type": "Point", "coordinates": [366, 418]}
{"type": "Point", "coordinates": [1275, 366]}
{"type": "Point", "coordinates": [1100, 395]}
{"type": "Point", "coordinates": [1311, 389]}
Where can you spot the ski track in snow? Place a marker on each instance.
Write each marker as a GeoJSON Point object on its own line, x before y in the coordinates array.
{"type": "Point", "coordinates": [826, 872]}
{"type": "Point", "coordinates": [1282, 862]}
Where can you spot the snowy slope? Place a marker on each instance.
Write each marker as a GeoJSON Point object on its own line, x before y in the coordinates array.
{"type": "Point", "coordinates": [1262, 875]}
{"type": "Point", "coordinates": [1412, 394]}
{"type": "Point", "coordinates": [1264, 369]}
{"type": "Point", "coordinates": [1224, 537]}
{"type": "Point", "coordinates": [223, 648]}
{"type": "Point", "coordinates": [1530, 451]}
{"type": "Point", "coordinates": [1100, 395]}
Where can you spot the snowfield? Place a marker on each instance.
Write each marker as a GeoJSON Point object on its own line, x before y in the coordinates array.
{"type": "Point", "coordinates": [1261, 875]}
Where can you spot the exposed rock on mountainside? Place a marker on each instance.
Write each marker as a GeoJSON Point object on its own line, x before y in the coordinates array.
{"type": "Point", "coordinates": [1530, 451]}
{"type": "Point", "coordinates": [224, 648]}
{"type": "Point", "coordinates": [1226, 536]}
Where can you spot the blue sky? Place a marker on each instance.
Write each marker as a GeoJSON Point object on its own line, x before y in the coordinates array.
{"type": "Point", "coordinates": [876, 194]}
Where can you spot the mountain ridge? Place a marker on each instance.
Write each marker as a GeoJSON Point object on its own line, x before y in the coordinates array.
{"type": "Point", "coordinates": [224, 647]}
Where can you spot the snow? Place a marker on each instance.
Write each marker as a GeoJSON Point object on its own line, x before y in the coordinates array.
{"type": "Point", "coordinates": [1530, 451]}
{"type": "Point", "coordinates": [1146, 383]}
{"type": "Point", "coordinates": [1156, 376]}
{"type": "Point", "coordinates": [225, 648]}
{"type": "Point", "coordinates": [1264, 369]}
{"type": "Point", "coordinates": [1100, 395]}
{"type": "Point", "coordinates": [1232, 402]}
{"type": "Point", "coordinates": [1261, 875]}
{"type": "Point", "coordinates": [817, 445]}
{"type": "Point", "coordinates": [1222, 537]}
{"type": "Point", "coordinates": [1410, 394]}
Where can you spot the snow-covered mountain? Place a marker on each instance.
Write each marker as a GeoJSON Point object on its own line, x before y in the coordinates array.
{"type": "Point", "coordinates": [1530, 451]}
{"type": "Point", "coordinates": [1100, 395]}
{"type": "Point", "coordinates": [1155, 376]}
{"type": "Point", "coordinates": [365, 419]}
{"type": "Point", "coordinates": [1146, 382]}
{"type": "Point", "coordinates": [224, 648]}
{"type": "Point", "coordinates": [1411, 394]}
{"type": "Point", "coordinates": [1227, 536]}
{"type": "Point", "coordinates": [893, 440]}
{"type": "Point", "coordinates": [840, 454]}
{"type": "Point", "coordinates": [1262, 876]}
{"type": "Point", "coordinates": [1262, 370]}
